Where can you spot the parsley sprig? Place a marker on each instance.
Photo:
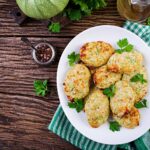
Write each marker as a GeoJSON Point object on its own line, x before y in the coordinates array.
{"type": "Point", "coordinates": [138, 78]}
{"type": "Point", "coordinates": [124, 46]}
{"type": "Point", "coordinates": [78, 104]}
{"type": "Point", "coordinates": [41, 87]}
{"type": "Point", "coordinates": [110, 92]}
{"type": "Point", "coordinates": [54, 27]}
{"type": "Point", "coordinates": [141, 104]}
{"type": "Point", "coordinates": [73, 14]}
{"type": "Point", "coordinates": [77, 9]}
{"type": "Point", "coordinates": [73, 58]}
{"type": "Point", "coordinates": [114, 126]}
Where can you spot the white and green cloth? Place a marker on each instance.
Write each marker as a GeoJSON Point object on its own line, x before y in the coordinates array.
{"type": "Point", "coordinates": [61, 126]}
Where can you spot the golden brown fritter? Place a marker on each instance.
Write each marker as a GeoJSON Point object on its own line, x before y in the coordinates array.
{"type": "Point", "coordinates": [130, 120]}
{"type": "Point", "coordinates": [77, 82]}
{"type": "Point", "coordinates": [95, 54]}
{"type": "Point", "coordinates": [96, 108]}
{"type": "Point", "coordinates": [123, 100]}
{"type": "Point", "coordinates": [139, 88]}
{"type": "Point", "coordinates": [104, 78]}
{"type": "Point", "coordinates": [127, 62]}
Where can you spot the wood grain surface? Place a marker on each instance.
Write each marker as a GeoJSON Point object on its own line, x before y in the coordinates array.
{"type": "Point", "coordinates": [24, 117]}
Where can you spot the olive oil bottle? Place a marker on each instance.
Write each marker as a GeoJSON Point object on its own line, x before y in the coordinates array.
{"type": "Point", "coordinates": [134, 10]}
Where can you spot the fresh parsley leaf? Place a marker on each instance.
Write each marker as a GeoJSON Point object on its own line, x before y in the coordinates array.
{"type": "Point", "coordinates": [141, 104]}
{"type": "Point", "coordinates": [122, 43]}
{"type": "Point", "coordinates": [148, 21]}
{"type": "Point", "coordinates": [138, 78]}
{"type": "Point", "coordinates": [114, 126]}
{"type": "Point", "coordinates": [41, 87]}
{"type": "Point", "coordinates": [72, 105]}
{"type": "Point", "coordinates": [124, 46]}
{"type": "Point", "coordinates": [83, 6]}
{"type": "Point", "coordinates": [73, 58]}
{"type": "Point", "coordinates": [78, 104]}
{"type": "Point", "coordinates": [45, 83]}
{"type": "Point", "coordinates": [74, 14]}
{"type": "Point", "coordinates": [119, 51]}
{"type": "Point", "coordinates": [95, 4]}
{"type": "Point", "coordinates": [128, 48]}
{"type": "Point", "coordinates": [54, 27]}
{"type": "Point", "coordinates": [110, 92]}
{"type": "Point", "coordinates": [76, 9]}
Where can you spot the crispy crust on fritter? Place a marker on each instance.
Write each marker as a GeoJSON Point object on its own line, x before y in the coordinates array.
{"type": "Point", "coordinates": [77, 82]}
{"type": "Point", "coordinates": [139, 88]}
{"type": "Point", "coordinates": [96, 108]}
{"type": "Point", "coordinates": [123, 100]}
{"type": "Point", "coordinates": [130, 120]}
{"type": "Point", "coordinates": [104, 78]}
{"type": "Point", "coordinates": [95, 54]}
{"type": "Point", "coordinates": [127, 62]}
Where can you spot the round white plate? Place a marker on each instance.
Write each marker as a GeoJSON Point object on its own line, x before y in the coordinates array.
{"type": "Point", "coordinates": [110, 34]}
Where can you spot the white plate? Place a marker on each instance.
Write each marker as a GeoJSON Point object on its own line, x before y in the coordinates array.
{"type": "Point", "coordinates": [110, 34]}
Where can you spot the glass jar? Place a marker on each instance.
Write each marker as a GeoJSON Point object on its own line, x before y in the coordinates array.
{"type": "Point", "coordinates": [44, 54]}
{"type": "Point", "coordinates": [134, 10]}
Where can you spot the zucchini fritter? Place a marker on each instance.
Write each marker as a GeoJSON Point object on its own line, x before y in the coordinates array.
{"type": "Point", "coordinates": [77, 82]}
{"type": "Point", "coordinates": [104, 78]}
{"type": "Point", "coordinates": [139, 88]}
{"type": "Point", "coordinates": [96, 108]}
{"type": "Point", "coordinates": [127, 62]}
{"type": "Point", "coordinates": [130, 120]}
{"type": "Point", "coordinates": [95, 54]}
{"type": "Point", "coordinates": [123, 100]}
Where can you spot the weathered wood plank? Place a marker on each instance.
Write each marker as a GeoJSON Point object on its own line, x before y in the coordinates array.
{"type": "Point", "coordinates": [24, 117]}
{"type": "Point", "coordinates": [18, 70]}
{"type": "Point", "coordinates": [8, 27]}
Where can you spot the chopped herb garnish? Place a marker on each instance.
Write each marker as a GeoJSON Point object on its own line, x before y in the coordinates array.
{"type": "Point", "coordinates": [110, 92]}
{"type": "Point", "coordinates": [41, 87]}
{"type": "Point", "coordinates": [78, 104]}
{"type": "Point", "coordinates": [141, 104]}
{"type": "Point", "coordinates": [138, 78]}
{"type": "Point", "coordinates": [124, 46]}
{"type": "Point", "coordinates": [73, 58]}
{"type": "Point", "coordinates": [54, 27]}
{"type": "Point", "coordinates": [114, 126]}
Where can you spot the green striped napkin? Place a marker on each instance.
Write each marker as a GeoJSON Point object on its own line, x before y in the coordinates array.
{"type": "Point", "coordinates": [61, 126]}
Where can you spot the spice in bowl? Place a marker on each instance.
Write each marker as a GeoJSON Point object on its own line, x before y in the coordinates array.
{"type": "Point", "coordinates": [44, 53]}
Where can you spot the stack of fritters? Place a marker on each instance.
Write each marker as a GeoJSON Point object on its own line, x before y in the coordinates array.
{"type": "Point", "coordinates": [102, 65]}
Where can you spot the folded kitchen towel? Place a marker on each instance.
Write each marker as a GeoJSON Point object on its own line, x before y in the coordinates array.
{"type": "Point", "coordinates": [61, 126]}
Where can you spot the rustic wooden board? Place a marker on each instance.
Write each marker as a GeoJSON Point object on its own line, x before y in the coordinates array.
{"type": "Point", "coordinates": [24, 117]}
